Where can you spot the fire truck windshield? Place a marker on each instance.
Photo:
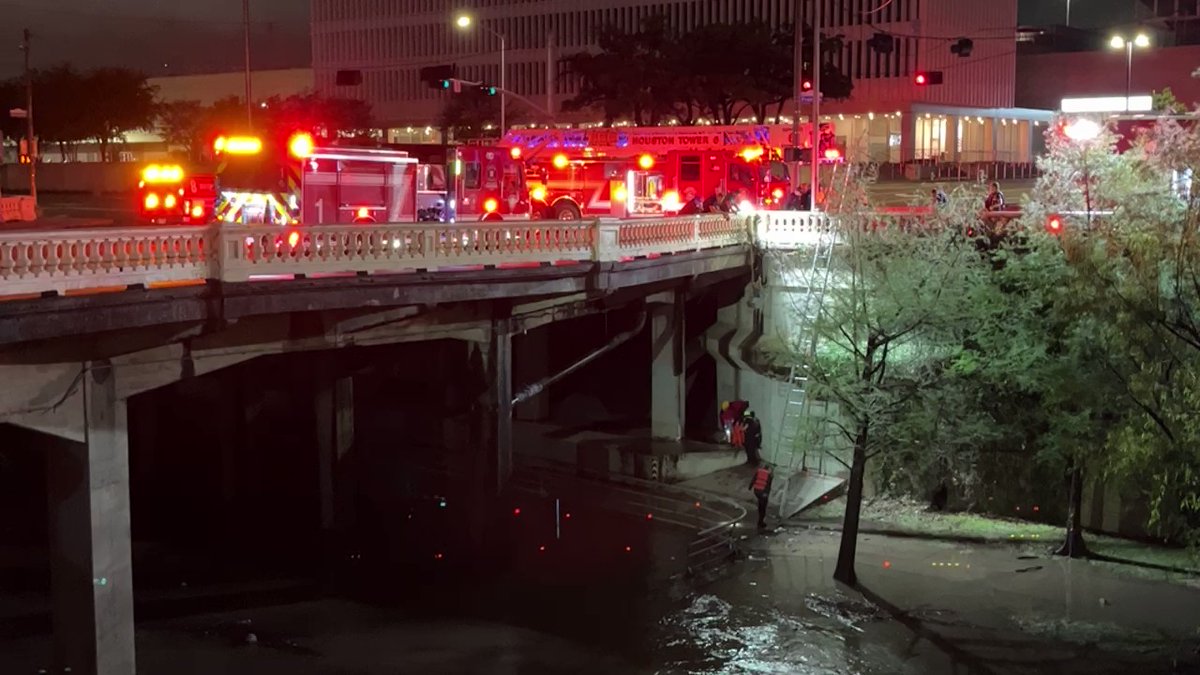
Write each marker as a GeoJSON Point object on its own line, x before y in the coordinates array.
{"type": "Point", "coordinates": [250, 174]}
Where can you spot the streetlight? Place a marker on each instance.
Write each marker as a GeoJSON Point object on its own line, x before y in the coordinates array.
{"type": "Point", "coordinates": [464, 22]}
{"type": "Point", "coordinates": [1141, 40]}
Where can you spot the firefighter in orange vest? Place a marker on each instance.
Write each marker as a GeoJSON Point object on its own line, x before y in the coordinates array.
{"type": "Point", "coordinates": [761, 485]}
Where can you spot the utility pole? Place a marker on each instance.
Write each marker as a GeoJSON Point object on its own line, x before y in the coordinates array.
{"type": "Point", "coordinates": [816, 105]}
{"type": "Point", "coordinates": [33, 152]}
{"type": "Point", "coordinates": [550, 73]}
{"type": "Point", "coordinates": [246, 39]}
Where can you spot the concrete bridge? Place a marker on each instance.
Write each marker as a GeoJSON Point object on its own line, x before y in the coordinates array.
{"type": "Point", "coordinates": [93, 319]}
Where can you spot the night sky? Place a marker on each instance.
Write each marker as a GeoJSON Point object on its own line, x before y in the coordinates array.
{"type": "Point", "coordinates": [156, 36]}
{"type": "Point", "coordinates": [187, 36]}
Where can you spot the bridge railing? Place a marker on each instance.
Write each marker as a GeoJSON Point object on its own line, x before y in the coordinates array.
{"type": "Point", "coordinates": [40, 261]}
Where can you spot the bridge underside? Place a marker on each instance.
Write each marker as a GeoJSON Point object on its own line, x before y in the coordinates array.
{"type": "Point", "coordinates": [71, 364]}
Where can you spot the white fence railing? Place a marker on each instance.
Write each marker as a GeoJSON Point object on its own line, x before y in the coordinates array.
{"type": "Point", "coordinates": [36, 262]}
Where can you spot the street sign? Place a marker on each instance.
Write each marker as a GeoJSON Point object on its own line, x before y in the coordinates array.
{"type": "Point", "coordinates": [18, 113]}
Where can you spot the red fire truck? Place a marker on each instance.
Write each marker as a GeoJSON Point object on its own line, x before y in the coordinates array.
{"type": "Point", "coordinates": [489, 181]}
{"type": "Point", "coordinates": [166, 194]}
{"type": "Point", "coordinates": [255, 183]}
{"type": "Point", "coordinates": [636, 171]}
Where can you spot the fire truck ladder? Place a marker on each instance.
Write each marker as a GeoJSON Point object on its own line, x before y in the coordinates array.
{"type": "Point", "coordinates": [794, 390]}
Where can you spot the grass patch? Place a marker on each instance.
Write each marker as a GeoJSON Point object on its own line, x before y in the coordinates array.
{"type": "Point", "coordinates": [913, 518]}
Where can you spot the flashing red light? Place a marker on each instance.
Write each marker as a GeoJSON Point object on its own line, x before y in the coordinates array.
{"type": "Point", "coordinates": [301, 145]}
{"type": "Point", "coordinates": [1054, 225]}
{"type": "Point", "coordinates": [293, 239]}
{"type": "Point", "coordinates": [832, 153]}
{"type": "Point", "coordinates": [517, 511]}
{"type": "Point", "coordinates": [515, 153]}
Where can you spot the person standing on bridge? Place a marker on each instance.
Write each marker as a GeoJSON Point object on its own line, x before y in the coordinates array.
{"type": "Point", "coordinates": [761, 486]}
{"type": "Point", "coordinates": [995, 198]}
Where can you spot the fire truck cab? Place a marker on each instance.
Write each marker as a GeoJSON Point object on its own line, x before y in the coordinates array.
{"type": "Point", "coordinates": [167, 194]}
{"type": "Point", "coordinates": [488, 181]}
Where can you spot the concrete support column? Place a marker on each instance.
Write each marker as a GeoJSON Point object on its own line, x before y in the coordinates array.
{"type": "Point", "coordinates": [499, 410]}
{"type": "Point", "coordinates": [668, 386]}
{"type": "Point", "coordinates": [335, 438]}
{"type": "Point", "coordinates": [91, 563]}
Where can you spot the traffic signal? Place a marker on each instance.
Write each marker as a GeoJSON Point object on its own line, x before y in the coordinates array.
{"type": "Point", "coordinates": [924, 78]}
{"type": "Point", "coordinates": [437, 76]}
{"type": "Point", "coordinates": [882, 43]}
{"type": "Point", "coordinates": [962, 47]}
{"type": "Point", "coordinates": [487, 90]}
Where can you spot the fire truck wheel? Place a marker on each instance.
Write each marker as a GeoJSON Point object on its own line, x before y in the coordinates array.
{"type": "Point", "coordinates": [566, 211]}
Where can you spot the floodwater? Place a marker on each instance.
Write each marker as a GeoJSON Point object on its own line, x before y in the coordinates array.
{"type": "Point", "coordinates": [931, 608]}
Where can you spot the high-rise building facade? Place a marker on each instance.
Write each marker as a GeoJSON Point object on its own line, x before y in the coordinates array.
{"type": "Point", "coordinates": [389, 41]}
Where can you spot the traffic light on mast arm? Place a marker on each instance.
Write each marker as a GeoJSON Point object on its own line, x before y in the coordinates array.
{"type": "Point", "coordinates": [923, 78]}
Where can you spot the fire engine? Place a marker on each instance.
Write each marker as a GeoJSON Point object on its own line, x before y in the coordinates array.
{"type": "Point", "coordinates": [645, 171]}
{"type": "Point", "coordinates": [488, 182]}
{"type": "Point", "coordinates": [167, 195]}
{"type": "Point", "coordinates": [255, 184]}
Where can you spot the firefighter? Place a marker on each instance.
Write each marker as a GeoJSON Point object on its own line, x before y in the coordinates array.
{"type": "Point", "coordinates": [753, 437]}
{"type": "Point", "coordinates": [691, 203]}
{"type": "Point", "coordinates": [995, 198]}
{"type": "Point", "coordinates": [761, 486]}
{"type": "Point", "coordinates": [718, 202]}
{"type": "Point", "coordinates": [799, 200]}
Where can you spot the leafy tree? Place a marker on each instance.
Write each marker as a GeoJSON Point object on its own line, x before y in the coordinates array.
{"type": "Point", "coordinates": [117, 101]}
{"type": "Point", "coordinates": [471, 114]}
{"type": "Point", "coordinates": [889, 334]}
{"type": "Point", "coordinates": [719, 70]}
{"type": "Point", "coordinates": [182, 124]}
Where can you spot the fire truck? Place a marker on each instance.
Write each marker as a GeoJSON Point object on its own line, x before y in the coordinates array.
{"type": "Point", "coordinates": [488, 182]}
{"type": "Point", "coordinates": [636, 171]}
{"type": "Point", "coordinates": [166, 194]}
{"type": "Point", "coordinates": [255, 183]}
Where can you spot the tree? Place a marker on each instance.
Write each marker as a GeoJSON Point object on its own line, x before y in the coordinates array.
{"type": "Point", "coordinates": [182, 124]}
{"type": "Point", "coordinates": [471, 114]}
{"type": "Point", "coordinates": [719, 70]}
{"type": "Point", "coordinates": [117, 101]}
{"type": "Point", "coordinates": [888, 334]}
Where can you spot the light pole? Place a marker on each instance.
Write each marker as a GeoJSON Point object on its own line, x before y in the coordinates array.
{"type": "Point", "coordinates": [464, 22]}
{"type": "Point", "coordinates": [246, 46]}
{"type": "Point", "coordinates": [1141, 40]}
